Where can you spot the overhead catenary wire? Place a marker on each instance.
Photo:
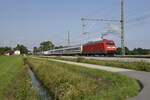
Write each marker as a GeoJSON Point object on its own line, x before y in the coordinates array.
{"type": "Point", "coordinates": [137, 19]}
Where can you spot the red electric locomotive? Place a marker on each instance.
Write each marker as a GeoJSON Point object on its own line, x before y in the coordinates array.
{"type": "Point", "coordinates": [105, 47]}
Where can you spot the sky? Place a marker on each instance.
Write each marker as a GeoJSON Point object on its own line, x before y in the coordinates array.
{"type": "Point", "coordinates": [29, 22]}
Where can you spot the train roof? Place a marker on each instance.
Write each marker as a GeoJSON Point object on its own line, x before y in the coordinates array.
{"type": "Point", "coordinates": [93, 42]}
{"type": "Point", "coordinates": [71, 47]}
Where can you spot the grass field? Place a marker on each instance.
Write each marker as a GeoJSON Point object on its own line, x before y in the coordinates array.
{"type": "Point", "coordinates": [14, 80]}
{"type": "Point", "coordinates": [136, 65]}
{"type": "Point", "coordinates": [72, 82]}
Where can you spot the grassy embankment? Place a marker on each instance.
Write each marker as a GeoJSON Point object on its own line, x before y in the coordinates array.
{"type": "Point", "coordinates": [136, 65]}
{"type": "Point", "coordinates": [72, 82]}
{"type": "Point", "coordinates": [14, 80]}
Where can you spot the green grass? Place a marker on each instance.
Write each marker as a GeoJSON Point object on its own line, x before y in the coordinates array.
{"type": "Point", "coordinates": [72, 82]}
{"type": "Point", "coordinates": [14, 80]}
{"type": "Point", "coordinates": [136, 65]}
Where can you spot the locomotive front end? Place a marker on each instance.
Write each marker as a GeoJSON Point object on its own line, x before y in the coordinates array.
{"type": "Point", "coordinates": [110, 47]}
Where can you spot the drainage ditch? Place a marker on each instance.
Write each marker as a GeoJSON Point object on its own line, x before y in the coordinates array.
{"type": "Point", "coordinates": [42, 93]}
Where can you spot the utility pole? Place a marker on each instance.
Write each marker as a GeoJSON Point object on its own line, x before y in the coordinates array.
{"type": "Point", "coordinates": [68, 38]}
{"type": "Point", "coordinates": [122, 28]}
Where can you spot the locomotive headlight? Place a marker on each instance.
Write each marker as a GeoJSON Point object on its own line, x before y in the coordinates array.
{"type": "Point", "coordinates": [108, 47]}
{"type": "Point", "coordinates": [113, 47]}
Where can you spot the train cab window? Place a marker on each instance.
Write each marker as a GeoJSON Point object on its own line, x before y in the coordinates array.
{"type": "Point", "coordinates": [108, 43]}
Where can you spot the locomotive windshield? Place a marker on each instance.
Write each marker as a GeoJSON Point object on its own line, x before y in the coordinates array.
{"type": "Point", "coordinates": [110, 43]}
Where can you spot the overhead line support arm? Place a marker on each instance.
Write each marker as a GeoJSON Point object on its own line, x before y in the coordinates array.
{"type": "Point", "coordinates": [94, 19]}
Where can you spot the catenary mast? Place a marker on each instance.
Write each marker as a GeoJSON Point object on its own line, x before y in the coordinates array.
{"type": "Point", "coordinates": [122, 28]}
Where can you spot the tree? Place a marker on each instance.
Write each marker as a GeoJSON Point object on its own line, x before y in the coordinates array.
{"type": "Point", "coordinates": [58, 47]}
{"type": "Point", "coordinates": [118, 51]}
{"type": "Point", "coordinates": [46, 45]}
{"type": "Point", "coordinates": [140, 51]}
{"type": "Point", "coordinates": [22, 49]}
{"type": "Point", "coordinates": [35, 50]}
{"type": "Point", "coordinates": [127, 51]}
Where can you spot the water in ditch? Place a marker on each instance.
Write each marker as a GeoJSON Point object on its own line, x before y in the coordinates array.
{"type": "Point", "coordinates": [42, 94]}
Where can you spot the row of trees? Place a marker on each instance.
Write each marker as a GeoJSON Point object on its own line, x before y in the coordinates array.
{"type": "Point", "coordinates": [21, 48]}
{"type": "Point", "coordinates": [135, 51]}
{"type": "Point", "coordinates": [44, 46]}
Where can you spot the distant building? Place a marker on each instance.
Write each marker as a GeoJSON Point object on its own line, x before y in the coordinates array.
{"type": "Point", "coordinates": [17, 52]}
{"type": "Point", "coordinates": [9, 52]}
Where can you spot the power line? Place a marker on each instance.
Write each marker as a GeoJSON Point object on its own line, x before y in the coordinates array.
{"type": "Point", "coordinates": [137, 19]}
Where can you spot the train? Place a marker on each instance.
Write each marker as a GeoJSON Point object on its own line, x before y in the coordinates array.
{"type": "Point", "coordinates": [101, 47]}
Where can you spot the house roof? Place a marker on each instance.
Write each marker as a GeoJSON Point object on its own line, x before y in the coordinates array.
{"type": "Point", "coordinates": [9, 51]}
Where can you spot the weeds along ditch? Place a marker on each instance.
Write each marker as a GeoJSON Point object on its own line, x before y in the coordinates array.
{"type": "Point", "coordinates": [72, 82]}
{"type": "Point", "coordinates": [15, 83]}
{"type": "Point", "coordinates": [136, 65]}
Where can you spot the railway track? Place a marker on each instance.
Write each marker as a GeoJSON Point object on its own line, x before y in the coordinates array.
{"type": "Point", "coordinates": [118, 58]}
{"type": "Point", "coordinates": [133, 57]}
